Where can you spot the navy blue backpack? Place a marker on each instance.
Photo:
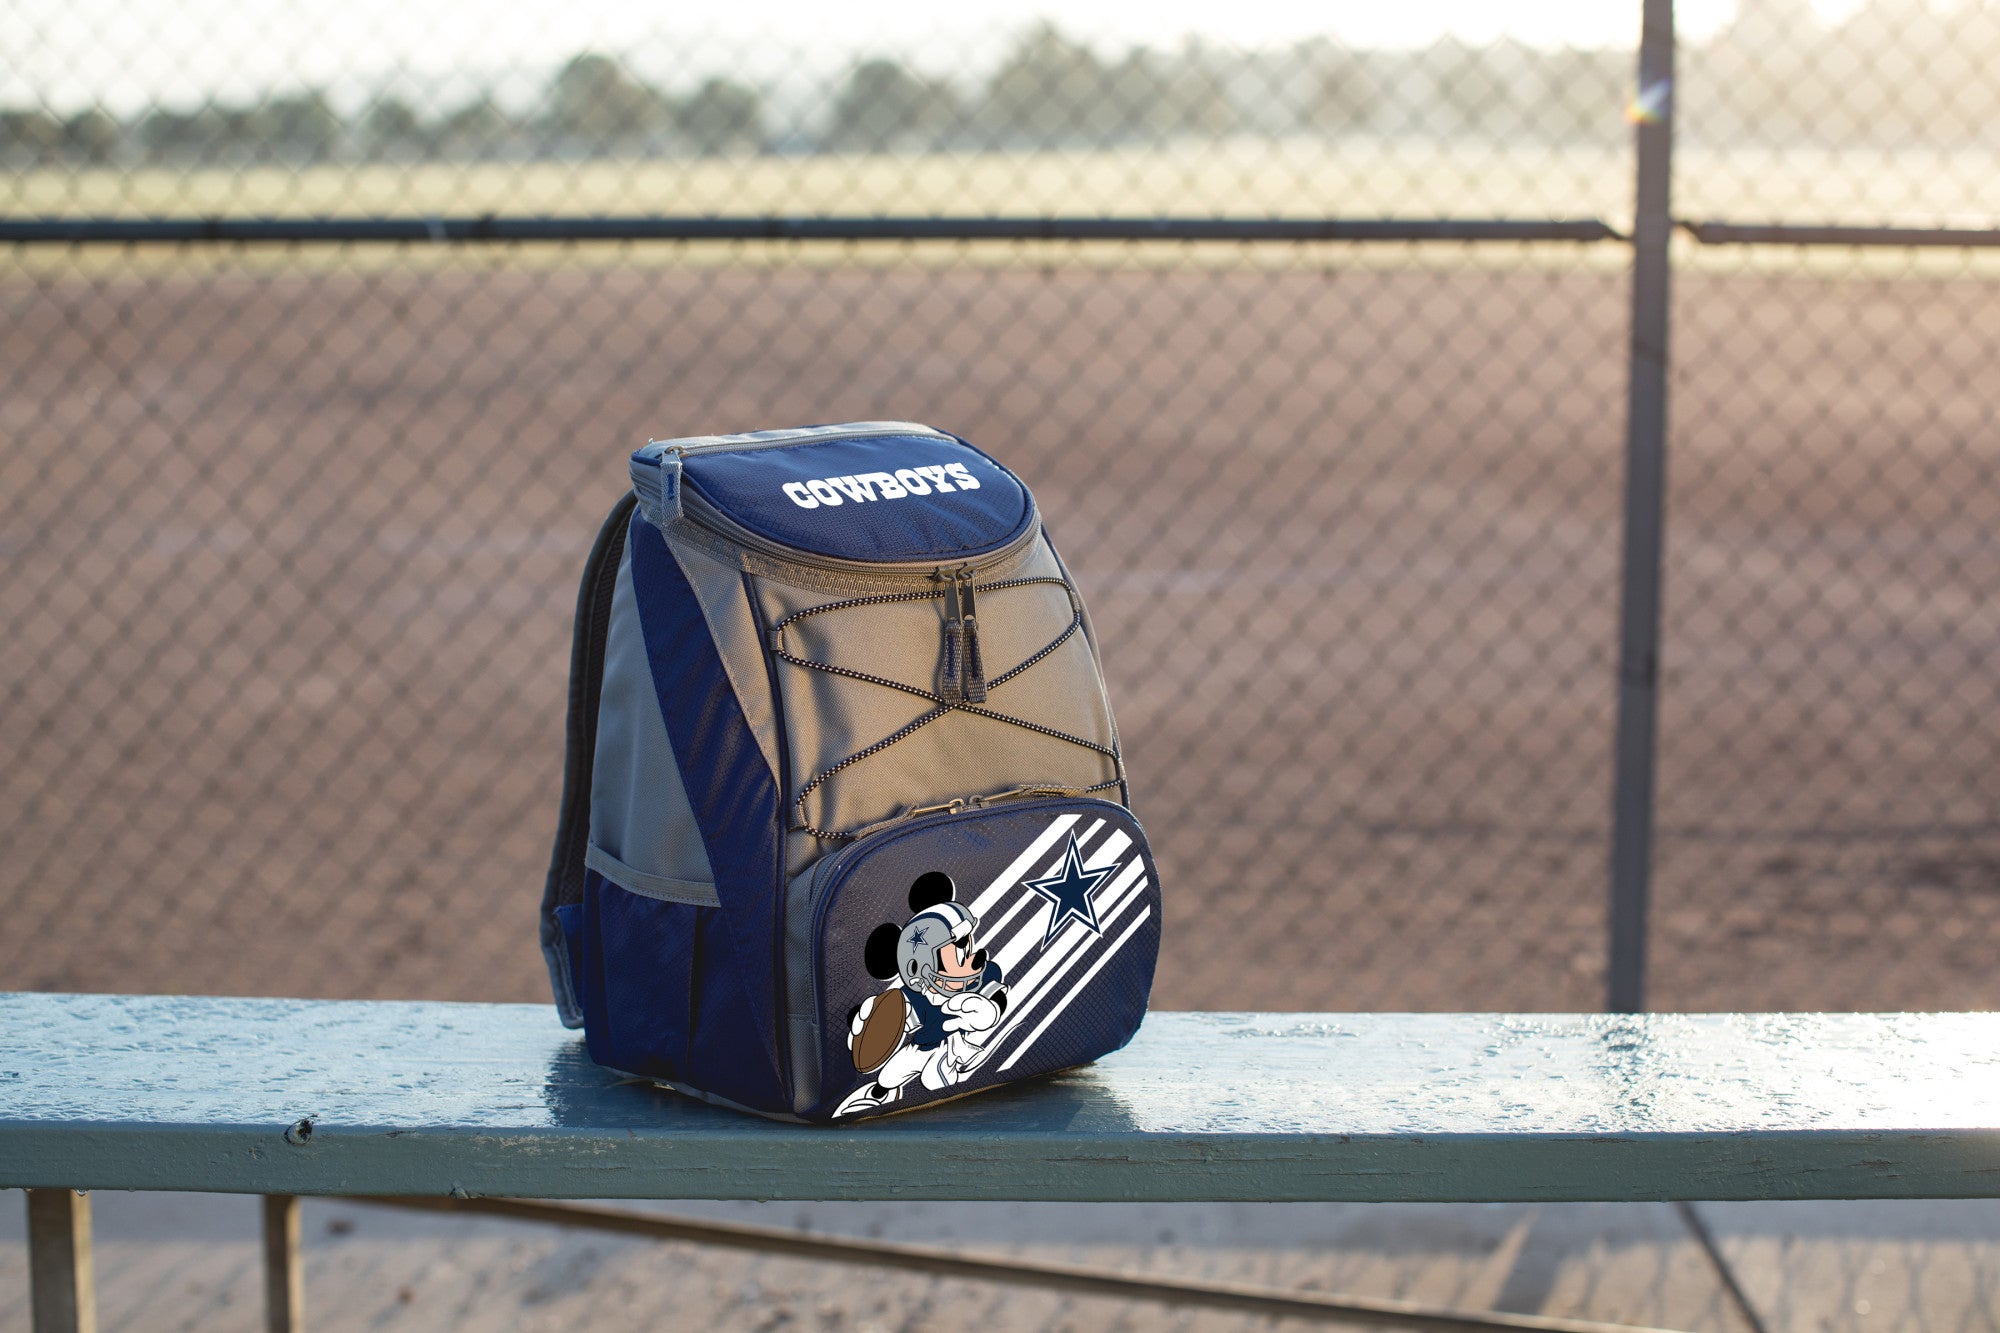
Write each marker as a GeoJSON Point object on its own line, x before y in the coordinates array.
{"type": "Point", "coordinates": [844, 825]}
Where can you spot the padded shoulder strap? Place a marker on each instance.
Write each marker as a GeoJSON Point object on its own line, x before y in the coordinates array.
{"type": "Point", "coordinates": [586, 684]}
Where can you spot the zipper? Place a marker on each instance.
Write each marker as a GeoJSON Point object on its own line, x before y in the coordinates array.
{"type": "Point", "coordinates": [975, 665]}
{"type": "Point", "coordinates": [964, 676]}
{"type": "Point", "coordinates": [834, 863]}
{"type": "Point", "coordinates": [778, 439]}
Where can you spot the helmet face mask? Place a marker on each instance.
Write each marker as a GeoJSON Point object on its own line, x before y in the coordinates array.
{"type": "Point", "coordinates": [954, 983]}
{"type": "Point", "coordinates": [921, 949]}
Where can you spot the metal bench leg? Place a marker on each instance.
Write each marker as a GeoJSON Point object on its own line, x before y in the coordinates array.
{"type": "Point", "coordinates": [284, 1276]}
{"type": "Point", "coordinates": [64, 1292]}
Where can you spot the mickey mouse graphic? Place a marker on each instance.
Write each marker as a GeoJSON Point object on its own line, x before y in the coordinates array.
{"type": "Point", "coordinates": [947, 1001]}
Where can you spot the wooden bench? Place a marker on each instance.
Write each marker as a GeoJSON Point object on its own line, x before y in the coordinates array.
{"type": "Point", "coordinates": [460, 1101]}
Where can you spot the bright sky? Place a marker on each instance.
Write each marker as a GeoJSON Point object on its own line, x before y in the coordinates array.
{"type": "Point", "coordinates": [128, 53]}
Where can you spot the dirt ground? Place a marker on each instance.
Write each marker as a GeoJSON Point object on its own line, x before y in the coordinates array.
{"type": "Point", "coordinates": [290, 557]}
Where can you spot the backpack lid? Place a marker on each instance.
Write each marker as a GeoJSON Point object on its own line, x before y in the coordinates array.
{"type": "Point", "coordinates": [873, 491]}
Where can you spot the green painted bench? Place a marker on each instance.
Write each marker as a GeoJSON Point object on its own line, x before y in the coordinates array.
{"type": "Point", "coordinates": [290, 1097]}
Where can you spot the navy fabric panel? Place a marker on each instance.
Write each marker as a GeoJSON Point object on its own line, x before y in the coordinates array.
{"type": "Point", "coordinates": [838, 503]}
{"type": "Point", "coordinates": [569, 918]}
{"type": "Point", "coordinates": [735, 801]}
{"type": "Point", "coordinates": [644, 982]}
{"type": "Point", "coordinates": [587, 957]}
{"type": "Point", "coordinates": [722, 1030]}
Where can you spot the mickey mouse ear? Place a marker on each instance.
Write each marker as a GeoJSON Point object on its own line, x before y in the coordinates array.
{"type": "Point", "coordinates": [932, 887]}
{"type": "Point", "coordinates": [879, 954]}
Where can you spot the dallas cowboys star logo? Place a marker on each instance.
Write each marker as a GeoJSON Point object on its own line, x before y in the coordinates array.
{"type": "Point", "coordinates": [1069, 890]}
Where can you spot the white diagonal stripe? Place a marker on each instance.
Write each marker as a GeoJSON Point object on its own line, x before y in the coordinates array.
{"type": "Point", "coordinates": [1073, 932]}
{"type": "Point", "coordinates": [1008, 877]}
{"type": "Point", "coordinates": [989, 934]}
{"type": "Point", "coordinates": [1125, 889]}
{"type": "Point", "coordinates": [1051, 966]}
{"type": "Point", "coordinates": [1113, 848]}
{"type": "Point", "coordinates": [1122, 890]}
{"type": "Point", "coordinates": [1012, 951]}
{"type": "Point", "coordinates": [1074, 991]}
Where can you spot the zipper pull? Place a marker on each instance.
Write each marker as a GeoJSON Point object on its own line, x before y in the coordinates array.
{"type": "Point", "coordinates": [975, 668]}
{"type": "Point", "coordinates": [951, 685]}
{"type": "Point", "coordinates": [656, 476]}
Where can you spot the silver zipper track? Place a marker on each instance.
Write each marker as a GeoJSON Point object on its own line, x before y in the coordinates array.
{"type": "Point", "coordinates": [777, 439]}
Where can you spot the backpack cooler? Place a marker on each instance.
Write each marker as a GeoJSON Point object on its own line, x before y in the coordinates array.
{"type": "Point", "coordinates": [844, 824]}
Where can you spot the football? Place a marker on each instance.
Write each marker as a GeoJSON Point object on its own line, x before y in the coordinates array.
{"type": "Point", "coordinates": [882, 1032]}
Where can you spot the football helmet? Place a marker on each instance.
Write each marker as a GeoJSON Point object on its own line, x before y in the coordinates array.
{"type": "Point", "coordinates": [925, 936]}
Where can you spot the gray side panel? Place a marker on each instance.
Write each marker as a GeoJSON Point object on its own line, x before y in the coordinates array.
{"type": "Point", "coordinates": [634, 880]}
{"type": "Point", "coordinates": [726, 607]}
{"type": "Point", "coordinates": [802, 1015]}
{"type": "Point", "coordinates": [639, 811]}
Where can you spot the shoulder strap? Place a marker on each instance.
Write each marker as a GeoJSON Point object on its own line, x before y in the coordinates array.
{"type": "Point", "coordinates": [586, 684]}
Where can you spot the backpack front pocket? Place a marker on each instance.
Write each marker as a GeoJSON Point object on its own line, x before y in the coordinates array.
{"type": "Point", "coordinates": [957, 951]}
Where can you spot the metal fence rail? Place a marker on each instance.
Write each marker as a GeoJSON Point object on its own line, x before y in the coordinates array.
{"type": "Point", "coordinates": [144, 231]}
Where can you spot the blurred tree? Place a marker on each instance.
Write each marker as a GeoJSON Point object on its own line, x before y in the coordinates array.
{"type": "Point", "coordinates": [1152, 96]}
{"type": "Point", "coordinates": [594, 99]}
{"type": "Point", "coordinates": [29, 136]}
{"type": "Point", "coordinates": [1343, 90]}
{"type": "Point", "coordinates": [391, 125]}
{"type": "Point", "coordinates": [478, 129]}
{"type": "Point", "coordinates": [166, 133]}
{"type": "Point", "coordinates": [883, 105]}
{"type": "Point", "coordinates": [296, 125]}
{"type": "Point", "coordinates": [291, 127]}
{"type": "Point", "coordinates": [1048, 90]}
{"type": "Point", "coordinates": [723, 116]}
{"type": "Point", "coordinates": [92, 136]}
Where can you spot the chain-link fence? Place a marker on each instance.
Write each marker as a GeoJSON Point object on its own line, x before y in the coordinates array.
{"type": "Point", "coordinates": [1829, 797]}
{"type": "Point", "coordinates": [291, 519]}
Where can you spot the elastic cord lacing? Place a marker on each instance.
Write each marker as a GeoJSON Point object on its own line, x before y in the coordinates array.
{"type": "Point", "coordinates": [957, 703]}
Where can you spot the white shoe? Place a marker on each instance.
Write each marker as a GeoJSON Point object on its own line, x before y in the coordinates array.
{"type": "Point", "coordinates": [866, 1097]}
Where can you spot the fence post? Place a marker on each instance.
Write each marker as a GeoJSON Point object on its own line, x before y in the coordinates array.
{"type": "Point", "coordinates": [1645, 496]}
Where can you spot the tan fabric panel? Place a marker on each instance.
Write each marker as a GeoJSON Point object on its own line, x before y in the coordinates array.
{"type": "Point", "coordinates": [830, 717]}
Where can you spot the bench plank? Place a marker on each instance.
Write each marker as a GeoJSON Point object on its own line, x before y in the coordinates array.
{"type": "Point", "coordinates": [321, 1097]}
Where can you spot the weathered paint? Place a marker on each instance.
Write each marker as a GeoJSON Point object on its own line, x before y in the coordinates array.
{"type": "Point", "coordinates": [313, 1097]}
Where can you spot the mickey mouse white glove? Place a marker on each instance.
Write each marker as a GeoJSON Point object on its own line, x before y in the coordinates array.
{"type": "Point", "coordinates": [970, 1013]}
